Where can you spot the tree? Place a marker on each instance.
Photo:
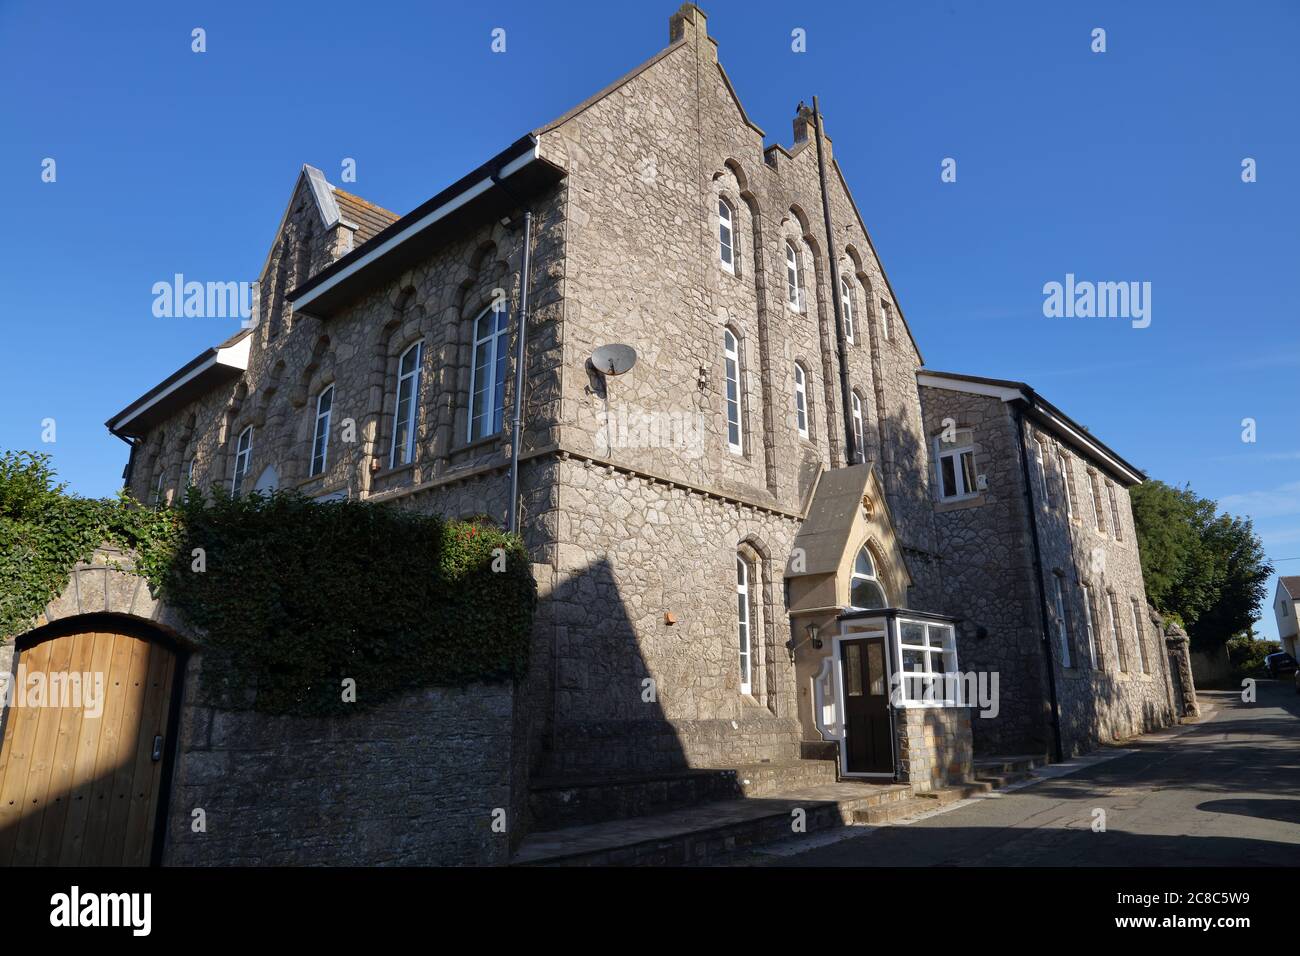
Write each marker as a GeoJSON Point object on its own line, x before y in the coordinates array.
{"type": "Point", "coordinates": [1206, 569]}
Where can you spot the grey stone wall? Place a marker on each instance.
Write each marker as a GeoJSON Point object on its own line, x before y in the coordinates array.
{"type": "Point", "coordinates": [991, 581]}
{"type": "Point", "coordinates": [414, 782]}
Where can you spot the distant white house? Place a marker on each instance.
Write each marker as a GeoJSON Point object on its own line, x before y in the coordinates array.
{"type": "Point", "coordinates": [1285, 607]}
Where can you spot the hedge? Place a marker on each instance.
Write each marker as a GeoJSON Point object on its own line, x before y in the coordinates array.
{"type": "Point", "coordinates": [296, 601]}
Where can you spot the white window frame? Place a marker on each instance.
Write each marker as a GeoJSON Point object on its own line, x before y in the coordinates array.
{"type": "Point", "coordinates": [846, 297]}
{"type": "Point", "coordinates": [1139, 636]}
{"type": "Point", "coordinates": [727, 236]}
{"type": "Point", "coordinates": [1040, 460]}
{"type": "Point", "coordinates": [1087, 620]}
{"type": "Point", "coordinates": [1094, 496]}
{"type": "Point", "coordinates": [936, 639]}
{"type": "Point", "coordinates": [1121, 664]}
{"type": "Point", "coordinates": [1067, 484]}
{"type": "Point", "coordinates": [158, 489]}
{"type": "Point", "coordinates": [886, 325]}
{"type": "Point", "coordinates": [1114, 512]}
{"type": "Point", "coordinates": [410, 382]}
{"type": "Point", "coordinates": [1062, 632]}
{"type": "Point", "coordinates": [873, 577]}
{"type": "Point", "coordinates": [243, 456]}
{"type": "Point", "coordinates": [320, 438]}
{"type": "Point", "coordinates": [189, 473]}
{"type": "Point", "coordinates": [497, 342]}
{"type": "Point", "coordinates": [793, 292]}
{"type": "Point", "coordinates": [956, 451]}
{"type": "Point", "coordinates": [743, 631]}
{"type": "Point", "coordinates": [859, 448]}
{"type": "Point", "coordinates": [801, 416]}
{"type": "Point", "coordinates": [734, 373]}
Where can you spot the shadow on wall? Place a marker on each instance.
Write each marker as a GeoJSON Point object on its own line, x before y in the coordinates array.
{"type": "Point", "coordinates": [605, 711]}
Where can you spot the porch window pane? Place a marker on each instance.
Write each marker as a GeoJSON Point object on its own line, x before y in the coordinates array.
{"type": "Point", "coordinates": [853, 679]}
{"type": "Point", "coordinates": [876, 663]}
{"type": "Point", "coordinates": [949, 477]}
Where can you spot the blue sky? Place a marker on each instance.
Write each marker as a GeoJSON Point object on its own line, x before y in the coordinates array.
{"type": "Point", "coordinates": [1115, 166]}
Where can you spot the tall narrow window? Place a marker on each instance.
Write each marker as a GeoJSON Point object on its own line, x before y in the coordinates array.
{"type": "Point", "coordinates": [408, 397]}
{"type": "Point", "coordinates": [1116, 635]}
{"type": "Point", "coordinates": [1138, 635]}
{"type": "Point", "coordinates": [1062, 632]}
{"type": "Point", "coordinates": [792, 278]}
{"type": "Point", "coordinates": [1067, 479]}
{"type": "Point", "coordinates": [487, 376]}
{"type": "Point", "coordinates": [726, 237]}
{"type": "Point", "coordinates": [885, 321]}
{"type": "Point", "coordinates": [158, 490]}
{"type": "Point", "coordinates": [858, 448]}
{"type": "Point", "coordinates": [731, 353]}
{"type": "Point", "coordinates": [1040, 465]}
{"type": "Point", "coordinates": [1087, 620]}
{"type": "Point", "coordinates": [742, 623]}
{"type": "Point", "coordinates": [243, 454]}
{"type": "Point", "coordinates": [189, 473]}
{"type": "Point", "coordinates": [1094, 499]}
{"type": "Point", "coordinates": [801, 399]}
{"type": "Point", "coordinates": [321, 435]}
{"type": "Point", "coordinates": [846, 297]}
{"type": "Point", "coordinates": [1114, 512]}
{"type": "Point", "coordinates": [956, 465]}
{"type": "Point", "coordinates": [865, 591]}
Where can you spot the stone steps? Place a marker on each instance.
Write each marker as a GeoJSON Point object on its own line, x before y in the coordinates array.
{"type": "Point", "coordinates": [558, 803]}
{"type": "Point", "coordinates": [1000, 772]}
{"type": "Point", "coordinates": [702, 834]}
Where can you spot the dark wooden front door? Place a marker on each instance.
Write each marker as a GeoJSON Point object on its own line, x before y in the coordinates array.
{"type": "Point", "coordinates": [866, 707]}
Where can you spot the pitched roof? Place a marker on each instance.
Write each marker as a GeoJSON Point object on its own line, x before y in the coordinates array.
{"type": "Point", "coordinates": [1292, 586]}
{"type": "Point", "coordinates": [369, 219]}
{"type": "Point", "coordinates": [1042, 410]}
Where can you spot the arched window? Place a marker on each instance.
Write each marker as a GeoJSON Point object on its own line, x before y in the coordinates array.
{"type": "Point", "coordinates": [865, 591]}
{"type": "Point", "coordinates": [846, 296]}
{"type": "Point", "coordinates": [487, 381]}
{"type": "Point", "coordinates": [801, 399]}
{"type": "Point", "coordinates": [408, 396]}
{"type": "Point", "coordinates": [731, 353]}
{"type": "Point", "coordinates": [726, 236]}
{"type": "Point", "coordinates": [792, 292]}
{"type": "Point", "coordinates": [321, 435]}
{"type": "Point", "coordinates": [742, 624]}
{"type": "Point", "coordinates": [243, 454]}
{"type": "Point", "coordinates": [859, 449]}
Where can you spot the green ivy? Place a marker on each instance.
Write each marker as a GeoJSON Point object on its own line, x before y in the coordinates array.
{"type": "Point", "coordinates": [295, 600]}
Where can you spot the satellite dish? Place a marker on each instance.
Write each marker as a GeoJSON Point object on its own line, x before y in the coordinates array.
{"type": "Point", "coordinates": [613, 359]}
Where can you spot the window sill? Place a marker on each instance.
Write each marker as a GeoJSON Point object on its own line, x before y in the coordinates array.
{"type": "Point", "coordinates": [391, 472]}
{"type": "Point", "coordinates": [496, 438]}
{"type": "Point", "coordinates": [958, 504]}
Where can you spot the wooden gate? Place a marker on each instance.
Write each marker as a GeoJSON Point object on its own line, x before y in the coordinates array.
{"type": "Point", "coordinates": [81, 762]}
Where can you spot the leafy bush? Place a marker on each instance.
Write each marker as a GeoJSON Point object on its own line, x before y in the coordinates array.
{"type": "Point", "coordinates": [290, 597]}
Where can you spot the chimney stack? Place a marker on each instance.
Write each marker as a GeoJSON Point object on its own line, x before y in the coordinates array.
{"type": "Point", "coordinates": [803, 122]}
{"type": "Point", "coordinates": [689, 19]}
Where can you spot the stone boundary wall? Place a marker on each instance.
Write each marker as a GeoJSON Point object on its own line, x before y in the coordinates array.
{"type": "Point", "coordinates": [415, 781]}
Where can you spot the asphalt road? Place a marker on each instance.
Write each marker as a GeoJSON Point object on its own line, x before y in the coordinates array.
{"type": "Point", "coordinates": [1225, 792]}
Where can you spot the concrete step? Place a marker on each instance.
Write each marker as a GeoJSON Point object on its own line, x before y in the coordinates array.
{"type": "Point", "coordinates": [997, 781]}
{"type": "Point", "coordinates": [1005, 765]}
{"type": "Point", "coordinates": [703, 833]}
{"type": "Point", "coordinates": [558, 803]}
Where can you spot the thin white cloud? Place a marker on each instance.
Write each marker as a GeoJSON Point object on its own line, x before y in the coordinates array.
{"type": "Point", "coordinates": [1265, 503]}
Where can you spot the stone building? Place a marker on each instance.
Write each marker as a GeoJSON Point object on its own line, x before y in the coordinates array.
{"type": "Point", "coordinates": [756, 547]}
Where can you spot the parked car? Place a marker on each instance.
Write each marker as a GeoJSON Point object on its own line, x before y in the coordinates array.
{"type": "Point", "coordinates": [1279, 664]}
